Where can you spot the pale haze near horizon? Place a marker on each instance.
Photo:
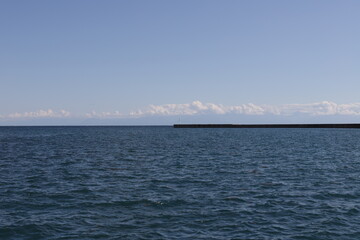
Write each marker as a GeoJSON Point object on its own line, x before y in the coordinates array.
{"type": "Point", "coordinates": [128, 60]}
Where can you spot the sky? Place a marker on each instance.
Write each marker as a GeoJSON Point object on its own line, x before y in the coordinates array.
{"type": "Point", "coordinates": [163, 62]}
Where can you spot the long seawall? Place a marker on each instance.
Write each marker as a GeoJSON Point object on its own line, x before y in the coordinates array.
{"type": "Point", "coordinates": [337, 125]}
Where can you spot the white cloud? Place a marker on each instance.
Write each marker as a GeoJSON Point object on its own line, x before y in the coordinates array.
{"type": "Point", "coordinates": [95, 114]}
{"type": "Point", "coordinates": [39, 114]}
{"type": "Point", "coordinates": [197, 108]}
{"type": "Point", "coordinates": [321, 108]}
{"type": "Point", "coordinates": [324, 108]}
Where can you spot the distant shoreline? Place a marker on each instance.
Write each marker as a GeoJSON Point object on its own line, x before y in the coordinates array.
{"type": "Point", "coordinates": [330, 125]}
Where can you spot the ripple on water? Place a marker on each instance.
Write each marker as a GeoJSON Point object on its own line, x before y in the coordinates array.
{"type": "Point", "coordinates": [165, 183]}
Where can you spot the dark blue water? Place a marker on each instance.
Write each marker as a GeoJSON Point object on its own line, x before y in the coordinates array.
{"type": "Point", "coordinates": [165, 183]}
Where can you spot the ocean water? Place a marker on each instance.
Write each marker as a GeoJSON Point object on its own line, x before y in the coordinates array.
{"type": "Point", "coordinates": [166, 183]}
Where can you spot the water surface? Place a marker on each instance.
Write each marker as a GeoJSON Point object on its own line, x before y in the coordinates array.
{"type": "Point", "coordinates": [165, 183]}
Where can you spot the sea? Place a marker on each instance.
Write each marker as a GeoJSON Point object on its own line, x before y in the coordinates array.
{"type": "Point", "coordinates": [112, 182]}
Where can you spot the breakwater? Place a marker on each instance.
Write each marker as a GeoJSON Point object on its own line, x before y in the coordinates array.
{"type": "Point", "coordinates": [337, 125]}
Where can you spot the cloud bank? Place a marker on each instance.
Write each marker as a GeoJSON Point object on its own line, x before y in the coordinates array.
{"type": "Point", "coordinates": [324, 108]}
{"type": "Point", "coordinates": [38, 114]}
{"type": "Point", "coordinates": [198, 108]}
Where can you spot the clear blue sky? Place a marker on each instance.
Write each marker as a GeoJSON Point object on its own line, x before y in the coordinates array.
{"type": "Point", "coordinates": [84, 55]}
